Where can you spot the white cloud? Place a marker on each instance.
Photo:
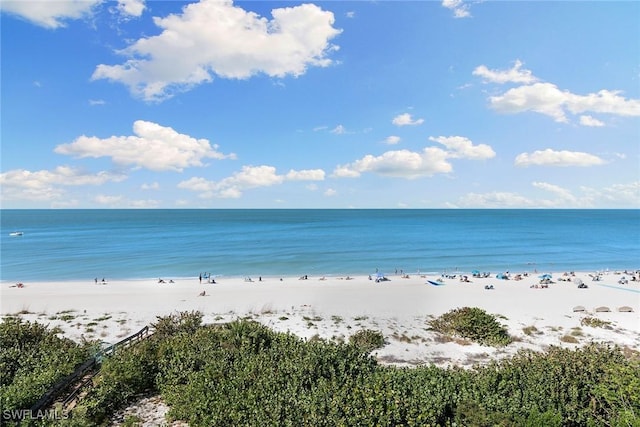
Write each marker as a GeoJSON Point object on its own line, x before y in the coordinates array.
{"type": "Point", "coordinates": [616, 195]}
{"type": "Point", "coordinates": [405, 119]}
{"type": "Point", "coordinates": [392, 140]}
{"type": "Point", "coordinates": [604, 101]}
{"type": "Point", "coordinates": [214, 37]}
{"type": "Point", "coordinates": [152, 186]}
{"type": "Point", "coordinates": [152, 146]}
{"type": "Point", "coordinates": [590, 121]}
{"type": "Point", "coordinates": [345, 171]}
{"type": "Point", "coordinates": [103, 199]}
{"type": "Point", "coordinates": [461, 147]}
{"type": "Point", "coordinates": [551, 157]}
{"type": "Point", "coordinates": [249, 177]}
{"type": "Point", "coordinates": [306, 175]}
{"type": "Point", "coordinates": [47, 185]}
{"type": "Point", "coordinates": [513, 75]}
{"type": "Point", "coordinates": [560, 192]}
{"type": "Point", "coordinates": [350, 14]}
{"type": "Point", "coordinates": [544, 98]}
{"type": "Point", "coordinates": [330, 192]}
{"type": "Point", "coordinates": [400, 164]}
{"type": "Point", "coordinates": [49, 14]}
{"type": "Point", "coordinates": [131, 7]}
{"type": "Point", "coordinates": [93, 102]}
{"type": "Point", "coordinates": [547, 99]}
{"type": "Point", "coordinates": [459, 8]}
{"type": "Point", "coordinates": [495, 199]}
{"type": "Point", "coordinates": [339, 130]}
{"type": "Point", "coordinates": [121, 201]}
{"type": "Point", "coordinates": [409, 164]}
{"type": "Point", "coordinates": [143, 204]}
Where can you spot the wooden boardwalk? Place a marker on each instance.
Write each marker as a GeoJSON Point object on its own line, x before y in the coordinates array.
{"type": "Point", "coordinates": [72, 388]}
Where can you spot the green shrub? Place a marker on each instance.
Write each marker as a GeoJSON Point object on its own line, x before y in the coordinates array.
{"type": "Point", "coordinates": [32, 359]}
{"type": "Point", "coordinates": [472, 323]}
{"type": "Point", "coordinates": [594, 322]}
{"type": "Point", "coordinates": [244, 374]}
{"type": "Point", "coordinates": [367, 340]}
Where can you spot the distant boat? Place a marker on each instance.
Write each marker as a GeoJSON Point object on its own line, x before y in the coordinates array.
{"type": "Point", "coordinates": [16, 233]}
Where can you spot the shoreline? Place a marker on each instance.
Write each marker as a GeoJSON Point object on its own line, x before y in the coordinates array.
{"type": "Point", "coordinates": [338, 306]}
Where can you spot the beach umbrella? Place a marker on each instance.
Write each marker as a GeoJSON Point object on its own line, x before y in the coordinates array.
{"type": "Point", "coordinates": [545, 276]}
{"type": "Point", "coordinates": [475, 272]}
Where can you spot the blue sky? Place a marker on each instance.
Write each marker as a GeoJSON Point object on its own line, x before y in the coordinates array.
{"type": "Point", "coordinates": [387, 104]}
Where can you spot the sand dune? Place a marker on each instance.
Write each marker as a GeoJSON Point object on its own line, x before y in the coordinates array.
{"type": "Point", "coordinates": [336, 307]}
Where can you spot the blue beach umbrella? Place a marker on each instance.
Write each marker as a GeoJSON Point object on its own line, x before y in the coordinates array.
{"type": "Point", "coordinates": [475, 272]}
{"type": "Point", "coordinates": [545, 276]}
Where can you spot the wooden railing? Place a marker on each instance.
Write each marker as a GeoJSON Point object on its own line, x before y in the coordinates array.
{"type": "Point", "coordinates": [128, 341]}
{"type": "Point", "coordinates": [83, 375]}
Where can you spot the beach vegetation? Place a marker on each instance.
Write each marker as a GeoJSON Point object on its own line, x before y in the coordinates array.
{"type": "Point", "coordinates": [569, 339]}
{"type": "Point", "coordinates": [577, 332]}
{"type": "Point", "coordinates": [244, 374]}
{"type": "Point", "coordinates": [474, 324]}
{"type": "Point", "coordinates": [594, 322]}
{"type": "Point", "coordinates": [401, 337]}
{"type": "Point", "coordinates": [367, 340]}
{"type": "Point", "coordinates": [132, 421]}
{"type": "Point", "coordinates": [32, 359]}
{"type": "Point", "coordinates": [531, 330]}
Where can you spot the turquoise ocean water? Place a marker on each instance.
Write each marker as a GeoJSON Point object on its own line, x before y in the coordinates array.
{"type": "Point", "coordinates": [129, 244]}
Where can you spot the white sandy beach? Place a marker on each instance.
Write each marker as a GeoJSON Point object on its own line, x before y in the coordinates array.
{"type": "Point", "coordinates": [337, 307]}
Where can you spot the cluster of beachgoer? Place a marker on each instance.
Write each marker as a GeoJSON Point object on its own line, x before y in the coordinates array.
{"type": "Point", "coordinates": [102, 282]}
{"type": "Point", "coordinates": [207, 277]}
{"type": "Point", "coordinates": [635, 277]}
{"type": "Point", "coordinates": [482, 275]}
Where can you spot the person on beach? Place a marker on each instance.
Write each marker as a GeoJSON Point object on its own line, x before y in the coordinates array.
{"type": "Point", "coordinates": [200, 277]}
